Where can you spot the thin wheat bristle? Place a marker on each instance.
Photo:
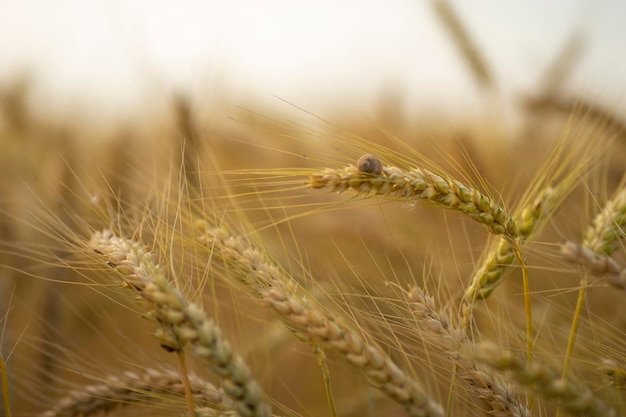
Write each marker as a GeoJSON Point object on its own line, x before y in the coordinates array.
{"type": "Point", "coordinates": [131, 388]}
{"type": "Point", "coordinates": [279, 292]}
{"type": "Point", "coordinates": [419, 184]}
{"type": "Point", "coordinates": [573, 398]}
{"type": "Point", "coordinates": [181, 322]}
{"type": "Point", "coordinates": [452, 342]}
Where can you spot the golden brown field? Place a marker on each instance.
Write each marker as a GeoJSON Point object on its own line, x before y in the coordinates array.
{"type": "Point", "coordinates": [230, 261]}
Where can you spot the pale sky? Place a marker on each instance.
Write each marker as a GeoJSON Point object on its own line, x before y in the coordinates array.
{"type": "Point", "coordinates": [112, 55]}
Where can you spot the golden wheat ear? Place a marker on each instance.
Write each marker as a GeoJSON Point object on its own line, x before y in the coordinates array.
{"type": "Point", "coordinates": [267, 282]}
{"type": "Point", "coordinates": [573, 398]}
{"type": "Point", "coordinates": [417, 184]}
{"type": "Point", "coordinates": [180, 322]}
{"type": "Point", "coordinates": [451, 341]}
{"type": "Point", "coordinates": [130, 388]}
{"type": "Point", "coordinates": [598, 264]}
{"type": "Point", "coordinates": [608, 226]}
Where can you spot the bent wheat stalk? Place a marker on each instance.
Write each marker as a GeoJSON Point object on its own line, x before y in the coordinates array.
{"type": "Point", "coordinates": [181, 322]}
{"type": "Point", "coordinates": [278, 291]}
{"type": "Point", "coordinates": [419, 184]}
{"type": "Point", "coordinates": [132, 388]}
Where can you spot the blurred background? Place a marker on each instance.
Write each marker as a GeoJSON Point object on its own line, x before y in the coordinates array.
{"type": "Point", "coordinates": [103, 102]}
{"type": "Point", "coordinates": [111, 59]}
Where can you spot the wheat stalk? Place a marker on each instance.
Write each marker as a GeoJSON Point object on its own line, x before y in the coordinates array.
{"type": "Point", "coordinates": [278, 291]}
{"type": "Point", "coordinates": [181, 322]}
{"type": "Point", "coordinates": [419, 184]}
{"type": "Point", "coordinates": [466, 45]}
{"type": "Point", "coordinates": [132, 388]}
{"type": "Point", "coordinates": [453, 342]}
{"type": "Point", "coordinates": [572, 398]}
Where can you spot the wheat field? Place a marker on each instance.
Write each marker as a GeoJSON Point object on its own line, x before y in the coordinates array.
{"type": "Point", "coordinates": [228, 261]}
{"type": "Point", "coordinates": [334, 269]}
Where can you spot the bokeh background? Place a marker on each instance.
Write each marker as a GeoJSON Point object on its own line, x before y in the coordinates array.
{"type": "Point", "coordinates": [110, 59]}
{"type": "Point", "coordinates": [101, 98]}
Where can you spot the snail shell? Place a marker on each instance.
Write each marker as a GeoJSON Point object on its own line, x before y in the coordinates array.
{"type": "Point", "coordinates": [370, 163]}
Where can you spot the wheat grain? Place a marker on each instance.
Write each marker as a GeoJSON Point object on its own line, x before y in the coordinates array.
{"type": "Point", "coordinates": [280, 292]}
{"type": "Point", "coordinates": [181, 322]}
{"type": "Point", "coordinates": [132, 388]}
{"type": "Point", "coordinates": [419, 184]}
{"type": "Point", "coordinates": [572, 398]}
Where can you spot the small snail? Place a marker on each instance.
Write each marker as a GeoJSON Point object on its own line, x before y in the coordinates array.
{"type": "Point", "coordinates": [370, 163]}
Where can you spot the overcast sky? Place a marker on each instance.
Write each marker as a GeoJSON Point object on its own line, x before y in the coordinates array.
{"type": "Point", "coordinates": [111, 54]}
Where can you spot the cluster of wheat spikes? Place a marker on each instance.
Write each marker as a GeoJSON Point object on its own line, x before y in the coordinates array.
{"type": "Point", "coordinates": [474, 353]}
{"type": "Point", "coordinates": [325, 280]}
{"type": "Point", "coordinates": [341, 276]}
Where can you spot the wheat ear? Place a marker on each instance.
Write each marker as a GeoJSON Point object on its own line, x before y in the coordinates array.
{"type": "Point", "coordinates": [594, 254]}
{"type": "Point", "coordinates": [278, 291]}
{"type": "Point", "coordinates": [491, 273]}
{"type": "Point", "coordinates": [574, 399]}
{"type": "Point", "coordinates": [597, 263]}
{"type": "Point", "coordinates": [452, 342]}
{"type": "Point", "coordinates": [600, 241]}
{"type": "Point", "coordinates": [419, 184]}
{"type": "Point", "coordinates": [608, 225]}
{"type": "Point", "coordinates": [181, 322]}
{"type": "Point", "coordinates": [132, 388]}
